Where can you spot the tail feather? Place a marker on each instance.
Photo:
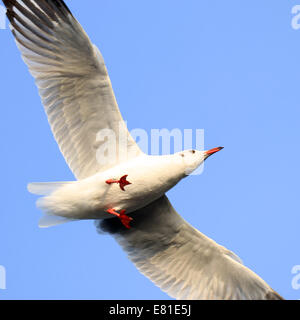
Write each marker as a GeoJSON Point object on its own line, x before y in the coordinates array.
{"type": "Point", "coordinates": [45, 188]}
{"type": "Point", "coordinates": [48, 221]}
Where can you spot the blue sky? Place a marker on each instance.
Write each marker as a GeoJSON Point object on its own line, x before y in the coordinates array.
{"type": "Point", "coordinates": [229, 67]}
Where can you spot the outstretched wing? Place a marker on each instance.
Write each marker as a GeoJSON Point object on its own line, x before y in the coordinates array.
{"type": "Point", "coordinates": [73, 83]}
{"type": "Point", "coordinates": [182, 261]}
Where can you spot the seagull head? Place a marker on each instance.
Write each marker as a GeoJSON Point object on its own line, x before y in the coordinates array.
{"type": "Point", "coordinates": [194, 158]}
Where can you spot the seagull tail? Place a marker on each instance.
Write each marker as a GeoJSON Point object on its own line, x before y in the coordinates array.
{"type": "Point", "coordinates": [45, 188]}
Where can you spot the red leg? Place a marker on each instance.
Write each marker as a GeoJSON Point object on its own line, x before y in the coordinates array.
{"type": "Point", "coordinates": [122, 182]}
{"type": "Point", "coordinates": [122, 216]}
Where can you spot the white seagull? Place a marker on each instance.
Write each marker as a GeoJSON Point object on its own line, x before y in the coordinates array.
{"type": "Point", "coordinates": [126, 196]}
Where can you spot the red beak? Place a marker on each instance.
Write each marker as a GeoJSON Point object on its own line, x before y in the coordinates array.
{"type": "Point", "coordinates": [214, 150]}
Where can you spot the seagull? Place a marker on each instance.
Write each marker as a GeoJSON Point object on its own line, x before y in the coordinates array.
{"type": "Point", "coordinates": [125, 195]}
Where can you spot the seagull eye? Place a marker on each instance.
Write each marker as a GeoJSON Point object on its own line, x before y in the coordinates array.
{"type": "Point", "coordinates": [193, 151]}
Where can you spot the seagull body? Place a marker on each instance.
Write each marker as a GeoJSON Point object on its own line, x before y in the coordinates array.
{"type": "Point", "coordinates": [77, 95]}
{"type": "Point", "coordinates": [91, 198]}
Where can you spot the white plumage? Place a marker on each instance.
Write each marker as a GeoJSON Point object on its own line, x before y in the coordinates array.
{"type": "Point", "coordinates": [78, 98]}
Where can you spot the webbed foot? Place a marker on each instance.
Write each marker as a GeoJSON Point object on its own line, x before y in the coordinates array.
{"type": "Point", "coordinates": [122, 216]}
{"type": "Point", "coordinates": [122, 182]}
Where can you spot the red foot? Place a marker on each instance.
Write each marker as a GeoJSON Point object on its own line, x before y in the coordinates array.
{"type": "Point", "coordinates": [122, 182]}
{"type": "Point", "coordinates": [122, 216]}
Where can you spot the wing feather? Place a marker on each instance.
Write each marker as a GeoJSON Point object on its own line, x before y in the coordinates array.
{"type": "Point", "coordinates": [73, 82]}
{"type": "Point", "coordinates": [182, 261]}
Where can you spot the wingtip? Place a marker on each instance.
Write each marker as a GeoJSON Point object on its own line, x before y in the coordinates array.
{"type": "Point", "coordinates": [273, 295]}
{"type": "Point", "coordinates": [8, 3]}
{"type": "Point", "coordinates": [54, 9]}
